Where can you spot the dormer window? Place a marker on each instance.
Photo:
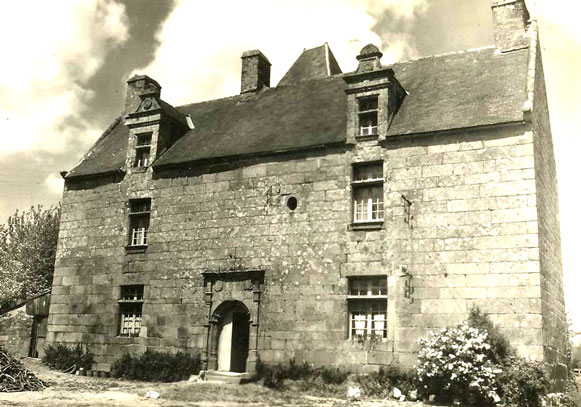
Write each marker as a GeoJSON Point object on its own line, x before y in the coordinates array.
{"type": "Point", "coordinates": [142, 150]}
{"type": "Point", "coordinates": [368, 116]}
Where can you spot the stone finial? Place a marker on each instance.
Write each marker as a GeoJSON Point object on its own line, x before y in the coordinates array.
{"type": "Point", "coordinates": [369, 59]}
{"type": "Point", "coordinates": [511, 19]}
{"type": "Point", "coordinates": [139, 88]}
{"type": "Point", "coordinates": [255, 71]}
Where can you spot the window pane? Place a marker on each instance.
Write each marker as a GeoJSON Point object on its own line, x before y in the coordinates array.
{"type": "Point", "coordinates": [132, 292]}
{"type": "Point", "coordinates": [368, 202]}
{"type": "Point", "coordinates": [143, 139]}
{"type": "Point", "coordinates": [140, 205]}
{"type": "Point", "coordinates": [130, 319]}
{"type": "Point", "coordinates": [368, 172]}
{"type": "Point", "coordinates": [365, 286]}
{"type": "Point", "coordinates": [368, 317]}
{"type": "Point", "coordinates": [142, 157]}
{"type": "Point", "coordinates": [368, 119]}
{"type": "Point", "coordinates": [369, 103]}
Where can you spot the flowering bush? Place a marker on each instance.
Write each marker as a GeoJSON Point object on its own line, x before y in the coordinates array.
{"type": "Point", "coordinates": [453, 365]}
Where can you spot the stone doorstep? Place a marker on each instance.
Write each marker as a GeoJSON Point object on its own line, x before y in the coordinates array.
{"type": "Point", "coordinates": [215, 376]}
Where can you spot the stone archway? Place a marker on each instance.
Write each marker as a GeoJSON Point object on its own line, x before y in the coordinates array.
{"type": "Point", "coordinates": [230, 339]}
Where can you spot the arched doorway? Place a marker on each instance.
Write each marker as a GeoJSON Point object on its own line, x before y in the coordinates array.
{"type": "Point", "coordinates": [233, 326]}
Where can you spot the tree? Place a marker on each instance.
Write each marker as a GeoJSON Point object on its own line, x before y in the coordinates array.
{"type": "Point", "coordinates": [27, 253]}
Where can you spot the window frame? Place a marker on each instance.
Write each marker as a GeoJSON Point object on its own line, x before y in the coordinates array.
{"type": "Point", "coordinates": [368, 111]}
{"type": "Point", "coordinates": [369, 306]}
{"type": "Point", "coordinates": [367, 184]}
{"type": "Point", "coordinates": [142, 148]}
{"type": "Point", "coordinates": [130, 307]}
{"type": "Point", "coordinates": [138, 237]}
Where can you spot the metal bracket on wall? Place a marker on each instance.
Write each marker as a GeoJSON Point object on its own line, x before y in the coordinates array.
{"type": "Point", "coordinates": [409, 284]}
{"type": "Point", "coordinates": [407, 211]}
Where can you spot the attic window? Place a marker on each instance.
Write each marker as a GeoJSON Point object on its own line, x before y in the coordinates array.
{"type": "Point", "coordinates": [142, 150]}
{"type": "Point", "coordinates": [368, 116]}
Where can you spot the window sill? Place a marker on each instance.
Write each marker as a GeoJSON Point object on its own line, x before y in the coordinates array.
{"type": "Point", "coordinates": [367, 297]}
{"type": "Point", "coordinates": [367, 137]}
{"type": "Point", "coordinates": [135, 170]}
{"type": "Point", "coordinates": [375, 225]}
{"type": "Point", "coordinates": [135, 249]}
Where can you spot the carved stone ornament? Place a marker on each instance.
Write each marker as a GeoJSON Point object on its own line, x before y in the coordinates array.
{"type": "Point", "coordinates": [248, 285]}
{"type": "Point", "coordinates": [367, 66]}
{"type": "Point", "coordinates": [147, 104]}
{"type": "Point", "coordinates": [218, 285]}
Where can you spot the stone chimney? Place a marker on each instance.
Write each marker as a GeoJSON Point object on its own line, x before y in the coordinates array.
{"type": "Point", "coordinates": [140, 88]}
{"type": "Point", "coordinates": [510, 19]}
{"type": "Point", "coordinates": [255, 72]}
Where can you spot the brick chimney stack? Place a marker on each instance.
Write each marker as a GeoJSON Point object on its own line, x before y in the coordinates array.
{"type": "Point", "coordinates": [510, 19]}
{"type": "Point", "coordinates": [255, 72]}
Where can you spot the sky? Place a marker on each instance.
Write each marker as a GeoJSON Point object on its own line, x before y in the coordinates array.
{"type": "Point", "coordinates": [66, 63]}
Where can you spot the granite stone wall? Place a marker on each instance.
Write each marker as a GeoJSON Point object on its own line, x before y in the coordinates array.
{"type": "Point", "coordinates": [467, 233]}
{"type": "Point", "coordinates": [554, 316]}
{"type": "Point", "coordinates": [15, 330]}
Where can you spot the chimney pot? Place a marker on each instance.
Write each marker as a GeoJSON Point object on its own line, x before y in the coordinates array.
{"type": "Point", "coordinates": [255, 72]}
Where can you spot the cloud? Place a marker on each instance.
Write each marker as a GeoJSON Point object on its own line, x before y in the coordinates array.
{"type": "Point", "coordinates": [201, 42]}
{"type": "Point", "coordinates": [54, 184]}
{"type": "Point", "coordinates": [43, 92]}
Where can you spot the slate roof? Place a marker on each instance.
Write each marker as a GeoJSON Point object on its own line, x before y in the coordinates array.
{"type": "Point", "coordinates": [453, 91]}
{"type": "Point", "coordinates": [107, 154]}
{"type": "Point", "coordinates": [313, 63]}
{"type": "Point", "coordinates": [461, 90]}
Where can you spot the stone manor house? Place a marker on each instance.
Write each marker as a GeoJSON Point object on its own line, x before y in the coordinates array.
{"type": "Point", "coordinates": [334, 218]}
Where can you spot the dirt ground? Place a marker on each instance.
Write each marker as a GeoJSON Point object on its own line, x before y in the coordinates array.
{"type": "Point", "coordinates": [67, 390]}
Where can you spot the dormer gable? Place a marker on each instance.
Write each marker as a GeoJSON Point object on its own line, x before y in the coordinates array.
{"type": "Point", "coordinates": [374, 96]}
{"type": "Point", "coordinates": [154, 125]}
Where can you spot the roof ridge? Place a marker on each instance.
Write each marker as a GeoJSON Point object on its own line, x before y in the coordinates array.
{"type": "Point", "coordinates": [445, 54]}
{"type": "Point", "coordinates": [266, 89]}
{"type": "Point", "coordinates": [210, 100]}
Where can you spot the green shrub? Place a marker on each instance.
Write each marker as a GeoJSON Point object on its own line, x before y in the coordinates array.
{"type": "Point", "coordinates": [333, 376]}
{"type": "Point", "coordinates": [156, 366]}
{"type": "Point", "coordinates": [500, 348]}
{"type": "Point", "coordinates": [275, 375]}
{"type": "Point", "coordinates": [61, 357]}
{"type": "Point", "coordinates": [382, 382]}
{"type": "Point", "coordinates": [522, 383]}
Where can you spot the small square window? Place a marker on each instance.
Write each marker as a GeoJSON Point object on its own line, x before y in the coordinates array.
{"type": "Point", "coordinates": [368, 307]}
{"type": "Point", "coordinates": [368, 193]}
{"type": "Point", "coordinates": [139, 214]}
{"type": "Point", "coordinates": [142, 150]}
{"type": "Point", "coordinates": [130, 310]}
{"type": "Point", "coordinates": [368, 112]}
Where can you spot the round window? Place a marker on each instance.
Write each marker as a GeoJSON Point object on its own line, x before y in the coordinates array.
{"type": "Point", "coordinates": [292, 203]}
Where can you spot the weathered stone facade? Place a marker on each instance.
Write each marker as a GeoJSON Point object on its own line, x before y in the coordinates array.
{"type": "Point", "coordinates": [470, 217]}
